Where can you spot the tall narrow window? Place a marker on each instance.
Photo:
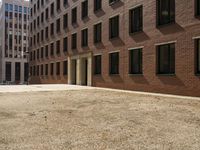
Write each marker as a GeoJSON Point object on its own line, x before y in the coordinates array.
{"type": "Point", "coordinates": [46, 51]}
{"type": "Point", "coordinates": [58, 68]}
{"type": "Point", "coordinates": [46, 69]}
{"type": "Point", "coordinates": [114, 27]}
{"type": "Point", "coordinates": [114, 63]}
{"type": "Point", "coordinates": [74, 15]}
{"type": "Point", "coordinates": [8, 71]}
{"type": "Point", "coordinates": [65, 44]}
{"type": "Point", "coordinates": [165, 12]}
{"type": "Point", "coordinates": [65, 21]}
{"type": "Point", "coordinates": [52, 49]}
{"type": "Point", "coordinates": [58, 47]}
{"type": "Point", "coordinates": [52, 29]}
{"type": "Point", "coordinates": [197, 5]}
{"type": "Point", "coordinates": [84, 9]}
{"type": "Point", "coordinates": [198, 56]}
{"type": "Point", "coordinates": [97, 33]}
{"type": "Point", "coordinates": [166, 59]}
{"type": "Point", "coordinates": [58, 25]}
{"type": "Point", "coordinates": [97, 5]}
{"type": "Point", "coordinates": [52, 69]}
{"type": "Point", "coordinates": [136, 20]}
{"type": "Point", "coordinates": [84, 37]}
{"type": "Point", "coordinates": [135, 61]}
{"type": "Point", "coordinates": [65, 68]}
{"type": "Point", "coordinates": [58, 5]}
{"type": "Point", "coordinates": [97, 64]}
{"type": "Point", "coordinates": [74, 41]}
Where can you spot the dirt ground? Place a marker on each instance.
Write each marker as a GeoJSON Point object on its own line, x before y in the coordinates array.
{"type": "Point", "coordinates": [97, 120]}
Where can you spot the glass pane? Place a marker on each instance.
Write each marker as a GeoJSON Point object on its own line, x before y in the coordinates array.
{"type": "Point", "coordinates": [198, 52]}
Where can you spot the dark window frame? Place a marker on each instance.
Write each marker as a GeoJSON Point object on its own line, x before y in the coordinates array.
{"type": "Point", "coordinates": [114, 64]}
{"type": "Point", "coordinates": [139, 63]}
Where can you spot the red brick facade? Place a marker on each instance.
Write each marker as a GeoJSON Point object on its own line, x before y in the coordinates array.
{"type": "Point", "coordinates": [182, 33]}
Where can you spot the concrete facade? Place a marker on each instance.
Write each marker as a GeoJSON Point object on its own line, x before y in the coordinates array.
{"type": "Point", "coordinates": [14, 41]}
{"type": "Point", "coordinates": [183, 33]}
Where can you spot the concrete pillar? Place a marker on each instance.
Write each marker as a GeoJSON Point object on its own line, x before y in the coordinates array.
{"type": "Point", "coordinates": [22, 72]}
{"type": "Point", "coordinates": [69, 70]}
{"type": "Point", "coordinates": [89, 73]}
{"type": "Point", "coordinates": [78, 71]}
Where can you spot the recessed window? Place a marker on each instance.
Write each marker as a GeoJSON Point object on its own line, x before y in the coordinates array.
{"type": "Point", "coordinates": [52, 69]}
{"type": "Point", "coordinates": [198, 56]}
{"type": "Point", "coordinates": [65, 68]}
{"type": "Point", "coordinates": [52, 49]}
{"type": "Point", "coordinates": [65, 21]}
{"type": "Point", "coordinates": [165, 12]}
{"type": "Point", "coordinates": [166, 59]}
{"type": "Point", "coordinates": [97, 33]}
{"type": "Point", "coordinates": [136, 20]}
{"type": "Point", "coordinates": [84, 34]}
{"type": "Point", "coordinates": [135, 61]}
{"type": "Point", "coordinates": [74, 41]}
{"type": "Point", "coordinates": [97, 5]}
{"type": "Point", "coordinates": [46, 69]}
{"type": "Point", "coordinates": [58, 47]}
{"type": "Point", "coordinates": [197, 5]}
{"type": "Point", "coordinates": [84, 9]}
{"type": "Point", "coordinates": [46, 51]}
{"type": "Point", "coordinates": [41, 70]}
{"type": "Point", "coordinates": [52, 9]}
{"type": "Point", "coordinates": [114, 27]}
{"type": "Point", "coordinates": [58, 25]}
{"type": "Point", "coordinates": [74, 15]}
{"type": "Point", "coordinates": [65, 44]}
{"type": "Point", "coordinates": [58, 5]}
{"type": "Point", "coordinates": [52, 29]}
{"type": "Point", "coordinates": [65, 2]}
{"type": "Point", "coordinates": [58, 68]}
{"type": "Point", "coordinates": [114, 63]}
{"type": "Point", "coordinates": [97, 65]}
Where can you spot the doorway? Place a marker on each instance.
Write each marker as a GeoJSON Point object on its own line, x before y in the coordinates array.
{"type": "Point", "coordinates": [74, 72]}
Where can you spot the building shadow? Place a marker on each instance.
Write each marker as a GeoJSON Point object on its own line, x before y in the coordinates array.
{"type": "Point", "coordinates": [117, 42]}
{"type": "Point", "coordinates": [117, 5]}
{"type": "Point", "coordinates": [170, 29]}
{"type": "Point", "coordinates": [140, 37]}
{"type": "Point", "coordinates": [171, 80]}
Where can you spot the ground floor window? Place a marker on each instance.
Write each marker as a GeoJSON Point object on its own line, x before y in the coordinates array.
{"type": "Point", "coordinates": [198, 56]}
{"type": "Point", "coordinates": [166, 59]}
{"type": "Point", "coordinates": [135, 61]}
{"type": "Point", "coordinates": [17, 71]}
{"type": "Point", "coordinates": [52, 69]}
{"type": "Point", "coordinates": [8, 71]}
{"type": "Point", "coordinates": [114, 63]}
{"type": "Point", "coordinates": [97, 65]}
{"type": "Point", "coordinates": [65, 67]}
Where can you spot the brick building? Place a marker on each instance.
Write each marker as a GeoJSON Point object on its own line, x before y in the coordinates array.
{"type": "Point", "coordinates": [138, 45]}
{"type": "Point", "coordinates": [14, 41]}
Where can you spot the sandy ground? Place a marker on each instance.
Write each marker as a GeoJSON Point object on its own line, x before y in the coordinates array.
{"type": "Point", "coordinates": [91, 119]}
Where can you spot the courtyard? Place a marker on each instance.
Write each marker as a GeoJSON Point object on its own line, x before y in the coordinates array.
{"type": "Point", "coordinates": [63, 117]}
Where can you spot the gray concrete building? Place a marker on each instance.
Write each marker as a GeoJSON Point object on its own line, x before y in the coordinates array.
{"type": "Point", "coordinates": [14, 17]}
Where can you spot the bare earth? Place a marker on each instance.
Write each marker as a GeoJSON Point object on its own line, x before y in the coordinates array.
{"type": "Point", "coordinates": [91, 119]}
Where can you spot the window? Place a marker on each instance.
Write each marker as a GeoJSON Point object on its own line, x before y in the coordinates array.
{"type": "Point", "coordinates": [8, 71]}
{"type": "Point", "coordinates": [74, 41]}
{"type": "Point", "coordinates": [65, 68]}
{"type": "Point", "coordinates": [58, 25]}
{"type": "Point", "coordinates": [46, 69]}
{"type": "Point", "coordinates": [136, 20]}
{"type": "Point", "coordinates": [97, 33]}
{"type": "Point", "coordinates": [84, 37]}
{"type": "Point", "coordinates": [198, 56]}
{"type": "Point", "coordinates": [165, 12]}
{"type": "Point", "coordinates": [114, 63]}
{"type": "Point", "coordinates": [197, 4]}
{"type": "Point", "coordinates": [65, 2]}
{"type": "Point", "coordinates": [135, 61]}
{"type": "Point", "coordinates": [58, 5]}
{"type": "Point", "coordinates": [65, 44]}
{"type": "Point", "coordinates": [65, 21]}
{"type": "Point", "coordinates": [47, 13]}
{"type": "Point", "coordinates": [52, 29]}
{"type": "Point", "coordinates": [97, 65]}
{"type": "Point", "coordinates": [114, 27]}
{"type": "Point", "coordinates": [52, 68]}
{"type": "Point", "coordinates": [166, 59]}
{"type": "Point", "coordinates": [46, 51]}
{"type": "Point", "coordinates": [97, 5]}
{"type": "Point", "coordinates": [58, 47]}
{"type": "Point", "coordinates": [84, 9]}
{"type": "Point", "coordinates": [52, 9]}
{"type": "Point", "coordinates": [42, 70]}
{"type": "Point", "coordinates": [74, 15]}
{"type": "Point", "coordinates": [58, 68]}
{"type": "Point", "coordinates": [52, 49]}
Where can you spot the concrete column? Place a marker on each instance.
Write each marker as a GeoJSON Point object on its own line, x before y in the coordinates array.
{"type": "Point", "coordinates": [89, 73]}
{"type": "Point", "coordinates": [22, 72]}
{"type": "Point", "coordinates": [78, 71]}
{"type": "Point", "coordinates": [69, 70]}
